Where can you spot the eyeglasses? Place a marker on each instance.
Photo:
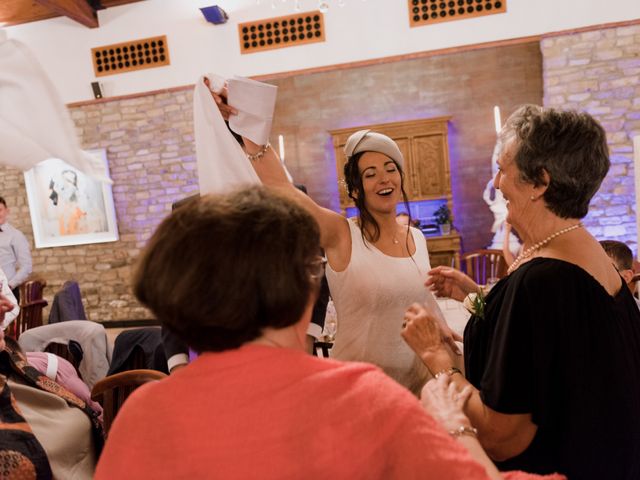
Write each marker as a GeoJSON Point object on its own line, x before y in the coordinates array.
{"type": "Point", "coordinates": [317, 267]}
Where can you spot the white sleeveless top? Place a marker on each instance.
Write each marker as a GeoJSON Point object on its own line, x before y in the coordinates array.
{"type": "Point", "coordinates": [370, 297]}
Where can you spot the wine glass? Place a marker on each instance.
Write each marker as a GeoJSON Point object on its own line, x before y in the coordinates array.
{"type": "Point", "coordinates": [330, 323]}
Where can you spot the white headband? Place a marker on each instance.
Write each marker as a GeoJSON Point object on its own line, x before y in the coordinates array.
{"type": "Point", "coordinates": [368, 141]}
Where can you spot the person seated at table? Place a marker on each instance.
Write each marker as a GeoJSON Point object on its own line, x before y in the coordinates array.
{"type": "Point", "coordinates": [622, 257]}
{"type": "Point", "coordinates": [554, 354]}
{"type": "Point", "coordinates": [45, 430]}
{"type": "Point", "coordinates": [59, 370]}
{"type": "Point", "coordinates": [255, 403]}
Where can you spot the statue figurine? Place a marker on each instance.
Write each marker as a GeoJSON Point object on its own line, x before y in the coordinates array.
{"type": "Point", "coordinates": [498, 206]}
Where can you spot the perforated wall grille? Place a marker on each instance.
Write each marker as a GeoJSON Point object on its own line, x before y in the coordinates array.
{"type": "Point", "coordinates": [129, 56]}
{"type": "Point", "coordinates": [426, 12]}
{"type": "Point", "coordinates": [281, 32]}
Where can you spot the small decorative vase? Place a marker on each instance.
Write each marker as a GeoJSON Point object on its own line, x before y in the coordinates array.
{"type": "Point", "coordinates": [445, 229]}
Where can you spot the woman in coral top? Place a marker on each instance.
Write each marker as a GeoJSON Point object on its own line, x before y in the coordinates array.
{"type": "Point", "coordinates": [236, 278]}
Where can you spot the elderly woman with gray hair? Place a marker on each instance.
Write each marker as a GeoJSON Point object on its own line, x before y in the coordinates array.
{"type": "Point", "coordinates": [554, 354]}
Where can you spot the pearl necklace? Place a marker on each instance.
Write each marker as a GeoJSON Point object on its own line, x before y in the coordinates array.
{"type": "Point", "coordinates": [531, 250]}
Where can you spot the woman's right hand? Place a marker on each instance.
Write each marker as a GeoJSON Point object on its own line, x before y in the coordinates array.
{"type": "Point", "coordinates": [445, 402]}
{"type": "Point", "coordinates": [451, 283]}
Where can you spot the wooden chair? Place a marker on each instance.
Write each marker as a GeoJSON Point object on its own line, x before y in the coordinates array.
{"type": "Point", "coordinates": [31, 306]}
{"type": "Point", "coordinates": [484, 265]}
{"type": "Point", "coordinates": [324, 347]}
{"type": "Point", "coordinates": [138, 348]}
{"type": "Point", "coordinates": [112, 391]}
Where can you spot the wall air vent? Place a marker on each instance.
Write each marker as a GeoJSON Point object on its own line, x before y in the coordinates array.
{"type": "Point", "coordinates": [426, 12]}
{"type": "Point", "coordinates": [281, 32]}
{"type": "Point", "coordinates": [130, 56]}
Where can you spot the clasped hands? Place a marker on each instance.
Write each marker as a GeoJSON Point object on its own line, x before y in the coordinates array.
{"type": "Point", "coordinates": [430, 337]}
{"type": "Point", "coordinates": [441, 397]}
{"type": "Point", "coordinates": [427, 333]}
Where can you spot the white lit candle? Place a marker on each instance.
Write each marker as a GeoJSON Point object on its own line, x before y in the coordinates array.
{"type": "Point", "coordinates": [497, 119]}
{"type": "Point", "coordinates": [281, 147]}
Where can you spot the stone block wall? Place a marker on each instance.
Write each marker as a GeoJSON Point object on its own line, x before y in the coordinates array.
{"type": "Point", "coordinates": [599, 72]}
{"type": "Point", "coordinates": [464, 85]}
{"type": "Point", "coordinates": [149, 144]}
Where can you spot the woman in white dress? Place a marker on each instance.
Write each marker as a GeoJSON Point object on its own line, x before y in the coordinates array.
{"type": "Point", "coordinates": [376, 267]}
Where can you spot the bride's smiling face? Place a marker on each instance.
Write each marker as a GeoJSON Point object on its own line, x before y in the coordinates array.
{"type": "Point", "coordinates": [381, 182]}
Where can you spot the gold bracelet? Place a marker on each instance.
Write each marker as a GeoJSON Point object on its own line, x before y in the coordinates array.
{"type": "Point", "coordinates": [450, 371]}
{"type": "Point", "coordinates": [259, 154]}
{"type": "Point", "coordinates": [464, 430]}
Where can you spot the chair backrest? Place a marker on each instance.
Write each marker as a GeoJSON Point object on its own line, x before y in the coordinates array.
{"type": "Point", "coordinates": [31, 291]}
{"type": "Point", "coordinates": [31, 306]}
{"type": "Point", "coordinates": [484, 266]}
{"type": "Point", "coordinates": [138, 348]}
{"type": "Point", "coordinates": [67, 304]}
{"type": "Point", "coordinates": [91, 337]}
{"type": "Point", "coordinates": [112, 391]}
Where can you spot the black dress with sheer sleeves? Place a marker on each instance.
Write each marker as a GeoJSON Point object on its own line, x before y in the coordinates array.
{"type": "Point", "coordinates": [554, 344]}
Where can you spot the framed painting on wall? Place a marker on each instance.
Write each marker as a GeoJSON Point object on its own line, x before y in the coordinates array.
{"type": "Point", "coordinates": [68, 207]}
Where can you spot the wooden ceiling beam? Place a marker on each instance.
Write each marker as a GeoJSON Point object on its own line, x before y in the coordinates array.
{"type": "Point", "coordinates": [78, 10]}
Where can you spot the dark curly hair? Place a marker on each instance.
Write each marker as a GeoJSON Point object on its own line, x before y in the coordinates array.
{"type": "Point", "coordinates": [353, 180]}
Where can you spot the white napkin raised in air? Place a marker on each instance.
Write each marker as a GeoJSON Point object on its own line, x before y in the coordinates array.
{"type": "Point", "coordinates": [255, 103]}
{"type": "Point", "coordinates": [34, 123]}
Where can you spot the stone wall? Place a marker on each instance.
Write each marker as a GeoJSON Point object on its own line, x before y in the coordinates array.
{"type": "Point", "coordinates": [599, 72]}
{"type": "Point", "coordinates": [464, 85]}
{"type": "Point", "coordinates": [149, 144]}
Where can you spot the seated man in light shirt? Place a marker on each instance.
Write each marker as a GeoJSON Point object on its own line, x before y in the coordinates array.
{"type": "Point", "coordinates": [11, 315]}
{"type": "Point", "coordinates": [15, 252]}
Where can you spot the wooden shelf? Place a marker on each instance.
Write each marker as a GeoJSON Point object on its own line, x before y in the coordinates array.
{"type": "Point", "coordinates": [444, 250]}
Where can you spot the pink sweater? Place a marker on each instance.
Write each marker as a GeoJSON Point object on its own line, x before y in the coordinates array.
{"type": "Point", "coordinates": [261, 412]}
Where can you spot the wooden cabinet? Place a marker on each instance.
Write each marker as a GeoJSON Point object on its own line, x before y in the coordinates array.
{"type": "Point", "coordinates": [444, 250]}
{"type": "Point", "coordinates": [423, 144]}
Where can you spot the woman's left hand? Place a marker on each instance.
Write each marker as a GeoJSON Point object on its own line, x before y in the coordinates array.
{"type": "Point", "coordinates": [445, 402]}
{"type": "Point", "coordinates": [422, 332]}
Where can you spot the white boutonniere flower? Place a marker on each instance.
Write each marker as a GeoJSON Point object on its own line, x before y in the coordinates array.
{"type": "Point", "coordinates": [475, 303]}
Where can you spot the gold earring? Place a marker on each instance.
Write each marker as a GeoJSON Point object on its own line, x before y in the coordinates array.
{"type": "Point", "coordinates": [533, 197]}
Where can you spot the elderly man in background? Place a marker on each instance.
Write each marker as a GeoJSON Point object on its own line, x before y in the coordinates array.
{"type": "Point", "coordinates": [15, 253]}
{"type": "Point", "coordinates": [622, 257]}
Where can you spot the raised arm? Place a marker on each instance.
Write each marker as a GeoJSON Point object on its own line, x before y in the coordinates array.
{"type": "Point", "coordinates": [334, 230]}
